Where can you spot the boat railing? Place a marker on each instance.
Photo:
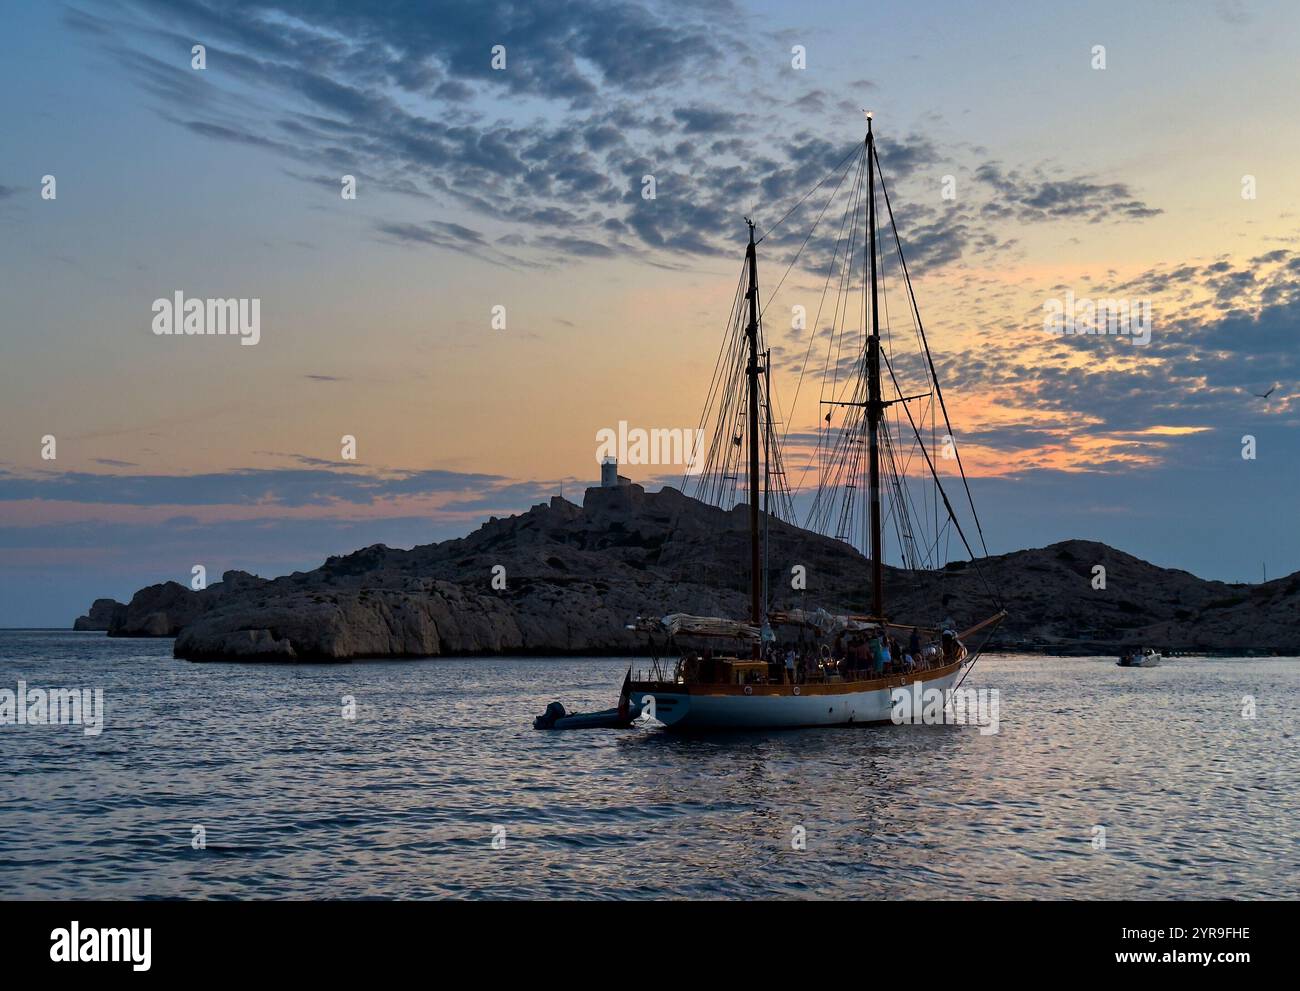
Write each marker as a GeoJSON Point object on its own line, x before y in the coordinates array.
{"type": "Point", "coordinates": [690, 669]}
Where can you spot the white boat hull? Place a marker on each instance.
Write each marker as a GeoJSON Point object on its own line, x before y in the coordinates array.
{"type": "Point", "coordinates": [779, 706]}
{"type": "Point", "coordinates": [1145, 661]}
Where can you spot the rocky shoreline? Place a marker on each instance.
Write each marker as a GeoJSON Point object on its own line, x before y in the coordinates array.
{"type": "Point", "coordinates": [575, 576]}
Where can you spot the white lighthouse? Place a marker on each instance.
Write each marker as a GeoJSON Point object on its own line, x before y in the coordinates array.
{"type": "Point", "coordinates": [609, 476]}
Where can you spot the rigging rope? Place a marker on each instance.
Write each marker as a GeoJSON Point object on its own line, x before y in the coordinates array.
{"type": "Point", "coordinates": [855, 151]}
{"type": "Point", "coordinates": [840, 452]}
{"type": "Point", "coordinates": [933, 374]}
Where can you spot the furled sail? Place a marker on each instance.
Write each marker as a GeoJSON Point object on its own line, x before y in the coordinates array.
{"type": "Point", "coordinates": [684, 624]}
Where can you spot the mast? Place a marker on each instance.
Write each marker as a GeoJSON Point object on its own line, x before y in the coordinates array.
{"type": "Point", "coordinates": [768, 442]}
{"type": "Point", "coordinates": [875, 408]}
{"type": "Point", "coordinates": [751, 331]}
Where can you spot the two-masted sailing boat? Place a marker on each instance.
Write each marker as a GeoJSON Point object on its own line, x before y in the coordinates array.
{"type": "Point", "coordinates": [843, 667]}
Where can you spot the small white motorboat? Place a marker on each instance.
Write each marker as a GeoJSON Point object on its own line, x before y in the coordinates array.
{"type": "Point", "coordinates": [1144, 658]}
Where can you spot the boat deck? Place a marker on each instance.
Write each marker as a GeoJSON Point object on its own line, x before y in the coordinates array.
{"type": "Point", "coordinates": [832, 685]}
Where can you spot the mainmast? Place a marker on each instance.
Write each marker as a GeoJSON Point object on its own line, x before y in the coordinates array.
{"type": "Point", "coordinates": [769, 442]}
{"type": "Point", "coordinates": [752, 370]}
{"type": "Point", "coordinates": [875, 408]}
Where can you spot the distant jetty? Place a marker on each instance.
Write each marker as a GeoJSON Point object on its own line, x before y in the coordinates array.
{"type": "Point", "coordinates": [574, 576]}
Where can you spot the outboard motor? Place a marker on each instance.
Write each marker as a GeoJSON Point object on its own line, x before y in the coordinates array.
{"type": "Point", "coordinates": [547, 719]}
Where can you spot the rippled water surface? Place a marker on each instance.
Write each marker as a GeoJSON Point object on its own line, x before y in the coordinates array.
{"type": "Point", "coordinates": [297, 802]}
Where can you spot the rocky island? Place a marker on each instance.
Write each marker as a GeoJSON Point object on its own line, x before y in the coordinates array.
{"type": "Point", "coordinates": [575, 576]}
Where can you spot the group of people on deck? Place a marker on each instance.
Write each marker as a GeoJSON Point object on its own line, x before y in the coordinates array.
{"type": "Point", "coordinates": [854, 656]}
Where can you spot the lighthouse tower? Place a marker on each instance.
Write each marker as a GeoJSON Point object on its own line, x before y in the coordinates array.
{"type": "Point", "coordinates": [609, 476]}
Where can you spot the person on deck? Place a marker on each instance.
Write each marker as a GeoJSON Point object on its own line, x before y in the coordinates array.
{"type": "Point", "coordinates": [789, 666]}
{"type": "Point", "coordinates": [914, 642]}
{"type": "Point", "coordinates": [881, 654]}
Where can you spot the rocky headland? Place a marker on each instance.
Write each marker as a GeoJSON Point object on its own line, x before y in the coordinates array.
{"type": "Point", "coordinates": [575, 576]}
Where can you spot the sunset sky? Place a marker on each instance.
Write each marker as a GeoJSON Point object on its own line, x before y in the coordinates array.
{"type": "Point", "coordinates": [521, 187]}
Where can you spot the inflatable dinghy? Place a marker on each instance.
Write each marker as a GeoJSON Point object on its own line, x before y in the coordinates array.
{"type": "Point", "coordinates": [556, 718]}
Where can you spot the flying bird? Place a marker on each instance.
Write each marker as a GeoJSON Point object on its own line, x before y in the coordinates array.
{"type": "Point", "coordinates": [1264, 395]}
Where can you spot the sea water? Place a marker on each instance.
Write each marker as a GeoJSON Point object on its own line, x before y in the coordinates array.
{"type": "Point", "coordinates": [425, 779]}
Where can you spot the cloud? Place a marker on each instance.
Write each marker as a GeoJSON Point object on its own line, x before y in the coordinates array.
{"type": "Point", "coordinates": [594, 96]}
{"type": "Point", "coordinates": [517, 494]}
{"type": "Point", "coordinates": [283, 487]}
{"type": "Point", "coordinates": [435, 232]}
{"type": "Point", "coordinates": [576, 246]}
{"type": "Point", "coordinates": [705, 120]}
{"type": "Point", "coordinates": [449, 236]}
{"type": "Point", "coordinates": [223, 133]}
{"type": "Point", "coordinates": [1185, 398]}
{"type": "Point", "coordinates": [1036, 197]}
{"type": "Point", "coordinates": [1233, 11]}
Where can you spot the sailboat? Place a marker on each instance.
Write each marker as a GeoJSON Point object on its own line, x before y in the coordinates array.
{"type": "Point", "coordinates": [843, 670]}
